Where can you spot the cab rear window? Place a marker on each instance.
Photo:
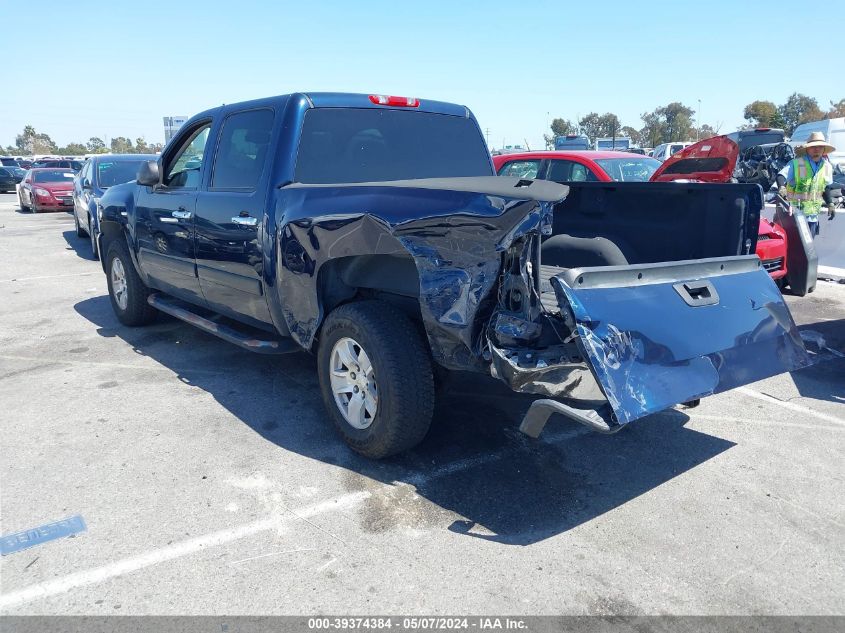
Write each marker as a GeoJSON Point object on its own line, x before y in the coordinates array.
{"type": "Point", "coordinates": [341, 145]}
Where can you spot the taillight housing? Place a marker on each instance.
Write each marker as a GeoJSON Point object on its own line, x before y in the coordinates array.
{"type": "Point", "coordinates": [398, 102]}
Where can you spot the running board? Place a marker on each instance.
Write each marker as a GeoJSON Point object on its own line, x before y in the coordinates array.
{"type": "Point", "coordinates": [230, 334]}
{"type": "Point", "coordinates": [541, 410]}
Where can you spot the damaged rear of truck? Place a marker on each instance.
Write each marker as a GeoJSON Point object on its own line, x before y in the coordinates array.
{"type": "Point", "coordinates": [579, 300]}
{"type": "Point", "coordinates": [387, 246]}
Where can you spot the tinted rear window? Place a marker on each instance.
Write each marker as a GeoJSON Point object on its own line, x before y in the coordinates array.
{"type": "Point", "coordinates": [363, 145]}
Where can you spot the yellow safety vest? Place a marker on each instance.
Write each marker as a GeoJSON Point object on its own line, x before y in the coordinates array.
{"type": "Point", "coordinates": [807, 189]}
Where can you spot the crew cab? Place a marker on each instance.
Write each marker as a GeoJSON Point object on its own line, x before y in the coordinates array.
{"type": "Point", "coordinates": [371, 231]}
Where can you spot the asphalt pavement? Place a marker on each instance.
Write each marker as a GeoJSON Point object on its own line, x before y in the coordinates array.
{"type": "Point", "coordinates": [210, 481]}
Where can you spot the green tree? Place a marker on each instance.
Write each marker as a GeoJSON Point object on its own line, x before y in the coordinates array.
{"type": "Point", "coordinates": [95, 145]}
{"type": "Point", "coordinates": [25, 141]}
{"type": "Point", "coordinates": [562, 127]}
{"type": "Point", "coordinates": [141, 146]}
{"type": "Point", "coordinates": [763, 114]}
{"type": "Point", "coordinates": [651, 134]}
{"type": "Point", "coordinates": [122, 145]}
{"type": "Point", "coordinates": [836, 110]}
{"type": "Point", "coordinates": [706, 131]}
{"type": "Point", "coordinates": [72, 149]}
{"type": "Point", "coordinates": [559, 127]}
{"type": "Point", "coordinates": [632, 134]}
{"type": "Point", "coordinates": [799, 109]}
{"type": "Point", "coordinates": [609, 125]}
{"type": "Point", "coordinates": [677, 120]}
{"type": "Point", "coordinates": [598, 126]}
{"type": "Point", "coordinates": [31, 142]}
{"type": "Point", "coordinates": [589, 125]}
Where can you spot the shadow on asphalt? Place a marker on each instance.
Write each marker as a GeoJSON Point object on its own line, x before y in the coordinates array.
{"type": "Point", "coordinates": [825, 379]}
{"type": "Point", "coordinates": [502, 485]}
{"type": "Point", "coordinates": [81, 245]}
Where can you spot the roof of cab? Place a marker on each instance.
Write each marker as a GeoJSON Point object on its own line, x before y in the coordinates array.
{"type": "Point", "coordinates": [340, 100]}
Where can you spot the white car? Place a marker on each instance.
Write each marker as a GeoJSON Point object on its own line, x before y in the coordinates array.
{"type": "Point", "coordinates": [665, 150]}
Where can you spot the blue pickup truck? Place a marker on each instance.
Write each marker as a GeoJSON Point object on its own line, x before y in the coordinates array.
{"type": "Point", "coordinates": [371, 231]}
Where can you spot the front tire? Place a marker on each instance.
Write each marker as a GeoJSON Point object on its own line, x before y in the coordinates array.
{"type": "Point", "coordinates": [376, 378]}
{"type": "Point", "coordinates": [22, 205]}
{"type": "Point", "coordinates": [127, 291]}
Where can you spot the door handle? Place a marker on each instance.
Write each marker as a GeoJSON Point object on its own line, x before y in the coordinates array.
{"type": "Point", "coordinates": [245, 221]}
{"type": "Point", "coordinates": [182, 214]}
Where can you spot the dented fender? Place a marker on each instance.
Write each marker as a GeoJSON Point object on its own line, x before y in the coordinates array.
{"type": "Point", "coordinates": [454, 229]}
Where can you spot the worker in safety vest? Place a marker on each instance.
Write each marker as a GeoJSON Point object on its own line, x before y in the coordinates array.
{"type": "Point", "coordinates": [806, 177]}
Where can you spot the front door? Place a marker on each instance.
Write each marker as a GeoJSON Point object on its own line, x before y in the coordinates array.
{"type": "Point", "coordinates": [164, 228]}
{"type": "Point", "coordinates": [229, 218]}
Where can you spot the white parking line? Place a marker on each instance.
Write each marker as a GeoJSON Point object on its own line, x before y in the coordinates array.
{"type": "Point", "coordinates": [791, 406]}
{"type": "Point", "coordinates": [196, 544]}
{"type": "Point", "coordinates": [749, 420]}
{"type": "Point", "coordinates": [191, 546]}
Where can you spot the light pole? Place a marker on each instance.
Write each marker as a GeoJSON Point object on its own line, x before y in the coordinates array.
{"type": "Point", "coordinates": [698, 119]}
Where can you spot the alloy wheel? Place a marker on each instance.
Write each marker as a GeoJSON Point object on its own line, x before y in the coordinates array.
{"type": "Point", "coordinates": [118, 283]}
{"type": "Point", "coordinates": [353, 383]}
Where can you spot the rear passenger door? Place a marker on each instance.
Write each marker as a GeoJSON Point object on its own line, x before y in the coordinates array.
{"type": "Point", "coordinates": [230, 217]}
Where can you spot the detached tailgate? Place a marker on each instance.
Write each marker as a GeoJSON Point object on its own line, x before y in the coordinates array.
{"type": "Point", "coordinates": [656, 335]}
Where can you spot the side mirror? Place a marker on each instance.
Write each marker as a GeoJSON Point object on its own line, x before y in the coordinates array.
{"type": "Point", "coordinates": [149, 174]}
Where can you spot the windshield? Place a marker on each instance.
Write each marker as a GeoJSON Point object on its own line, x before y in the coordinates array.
{"type": "Point", "coordinates": [634, 169]}
{"type": "Point", "coordinates": [364, 145]}
{"type": "Point", "coordinates": [53, 175]}
{"type": "Point", "coordinates": [115, 172]}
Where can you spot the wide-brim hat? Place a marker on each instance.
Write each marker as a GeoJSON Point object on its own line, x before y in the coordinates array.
{"type": "Point", "coordinates": [816, 139]}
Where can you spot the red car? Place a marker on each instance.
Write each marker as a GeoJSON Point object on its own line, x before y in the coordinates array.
{"type": "Point", "coordinates": [577, 166]}
{"type": "Point", "coordinates": [712, 160]}
{"type": "Point", "coordinates": [46, 190]}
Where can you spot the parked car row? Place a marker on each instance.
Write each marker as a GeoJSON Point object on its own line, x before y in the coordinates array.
{"type": "Point", "coordinates": [60, 185]}
{"type": "Point", "coordinates": [97, 175]}
{"type": "Point", "coordinates": [9, 178]}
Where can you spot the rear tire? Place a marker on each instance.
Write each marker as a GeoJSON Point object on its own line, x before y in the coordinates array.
{"type": "Point", "coordinates": [394, 382]}
{"type": "Point", "coordinates": [127, 291]}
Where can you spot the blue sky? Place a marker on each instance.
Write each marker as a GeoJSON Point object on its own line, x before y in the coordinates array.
{"type": "Point", "coordinates": [515, 64]}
